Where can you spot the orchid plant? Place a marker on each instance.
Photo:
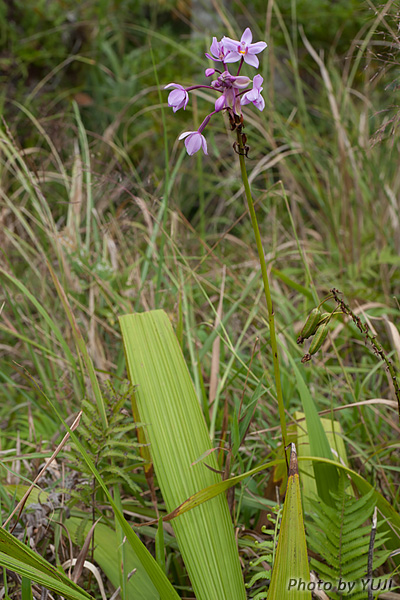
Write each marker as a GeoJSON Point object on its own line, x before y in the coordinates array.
{"type": "Point", "coordinates": [234, 91]}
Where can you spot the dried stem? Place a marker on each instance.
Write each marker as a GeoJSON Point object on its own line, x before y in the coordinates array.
{"type": "Point", "coordinates": [371, 339]}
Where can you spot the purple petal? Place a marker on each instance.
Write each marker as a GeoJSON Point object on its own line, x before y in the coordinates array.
{"type": "Point", "coordinates": [230, 97]}
{"type": "Point", "coordinates": [252, 95]}
{"type": "Point", "coordinates": [175, 97]}
{"type": "Point", "coordinates": [251, 59]}
{"type": "Point", "coordinates": [185, 134]}
{"type": "Point", "coordinates": [241, 82]}
{"type": "Point", "coordinates": [209, 72]}
{"type": "Point", "coordinates": [247, 36]}
{"type": "Point", "coordinates": [260, 103]}
{"type": "Point", "coordinates": [177, 85]}
{"type": "Point", "coordinates": [232, 57]}
{"type": "Point", "coordinates": [256, 48]}
{"type": "Point", "coordinates": [178, 99]}
{"type": "Point", "coordinates": [220, 102]}
{"type": "Point", "coordinates": [204, 144]}
{"type": "Point", "coordinates": [214, 49]}
{"type": "Point", "coordinates": [193, 143]}
{"type": "Point", "coordinates": [258, 81]}
{"type": "Point", "coordinates": [230, 44]}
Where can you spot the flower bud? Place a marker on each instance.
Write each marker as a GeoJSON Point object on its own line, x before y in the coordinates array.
{"type": "Point", "coordinates": [241, 82]}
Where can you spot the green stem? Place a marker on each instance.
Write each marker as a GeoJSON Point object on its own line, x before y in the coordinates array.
{"type": "Point", "coordinates": [264, 272]}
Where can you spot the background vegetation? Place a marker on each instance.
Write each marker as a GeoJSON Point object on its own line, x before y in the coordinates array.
{"type": "Point", "coordinates": [96, 188]}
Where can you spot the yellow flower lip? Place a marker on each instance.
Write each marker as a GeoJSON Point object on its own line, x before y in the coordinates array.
{"type": "Point", "coordinates": [243, 51]}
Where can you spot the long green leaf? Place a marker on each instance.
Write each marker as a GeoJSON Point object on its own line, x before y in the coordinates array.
{"type": "Point", "coordinates": [178, 438]}
{"type": "Point", "coordinates": [291, 560]}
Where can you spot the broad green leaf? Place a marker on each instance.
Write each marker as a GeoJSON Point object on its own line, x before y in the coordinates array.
{"type": "Point", "coordinates": [291, 561]}
{"type": "Point", "coordinates": [175, 427]}
{"type": "Point", "coordinates": [37, 495]}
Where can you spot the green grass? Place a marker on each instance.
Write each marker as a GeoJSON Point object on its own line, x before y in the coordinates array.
{"type": "Point", "coordinates": [103, 214]}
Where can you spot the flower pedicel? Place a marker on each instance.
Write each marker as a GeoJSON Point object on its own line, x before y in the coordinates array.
{"type": "Point", "coordinates": [233, 90]}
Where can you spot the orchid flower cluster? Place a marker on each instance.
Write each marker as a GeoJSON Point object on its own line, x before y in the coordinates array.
{"type": "Point", "coordinates": [233, 90]}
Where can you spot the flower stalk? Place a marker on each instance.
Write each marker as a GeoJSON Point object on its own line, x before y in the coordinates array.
{"type": "Point", "coordinates": [242, 151]}
{"type": "Point", "coordinates": [234, 92]}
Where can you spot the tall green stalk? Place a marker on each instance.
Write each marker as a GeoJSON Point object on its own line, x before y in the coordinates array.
{"type": "Point", "coordinates": [241, 148]}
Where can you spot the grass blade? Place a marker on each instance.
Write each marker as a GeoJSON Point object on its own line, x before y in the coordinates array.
{"type": "Point", "coordinates": [140, 585]}
{"type": "Point", "coordinates": [156, 574]}
{"type": "Point", "coordinates": [20, 558]}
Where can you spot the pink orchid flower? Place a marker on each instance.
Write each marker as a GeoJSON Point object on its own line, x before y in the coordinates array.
{"type": "Point", "coordinates": [228, 84]}
{"type": "Point", "coordinates": [254, 95]}
{"type": "Point", "coordinates": [218, 51]}
{"type": "Point", "coordinates": [194, 141]}
{"type": "Point", "coordinates": [243, 49]}
{"type": "Point", "coordinates": [177, 98]}
{"type": "Point", "coordinates": [233, 90]}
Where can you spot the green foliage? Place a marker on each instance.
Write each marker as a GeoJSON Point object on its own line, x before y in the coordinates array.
{"type": "Point", "coordinates": [338, 21]}
{"type": "Point", "coordinates": [258, 575]}
{"type": "Point", "coordinates": [23, 560]}
{"type": "Point", "coordinates": [112, 450]}
{"type": "Point", "coordinates": [327, 24]}
{"type": "Point", "coordinates": [341, 538]}
{"type": "Point", "coordinates": [105, 537]}
{"type": "Point", "coordinates": [83, 195]}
